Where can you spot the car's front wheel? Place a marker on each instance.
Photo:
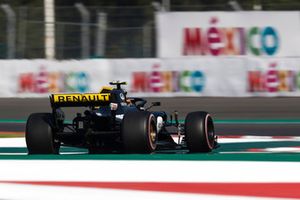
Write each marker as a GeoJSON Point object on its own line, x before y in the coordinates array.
{"type": "Point", "coordinates": [199, 131]}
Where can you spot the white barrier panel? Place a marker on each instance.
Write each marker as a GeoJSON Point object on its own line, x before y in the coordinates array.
{"type": "Point", "coordinates": [255, 33]}
{"type": "Point", "coordinates": [183, 77]}
{"type": "Point", "coordinates": [231, 77]}
{"type": "Point", "coordinates": [208, 76]}
{"type": "Point", "coordinates": [273, 77]}
{"type": "Point", "coordinates": [27, 78]}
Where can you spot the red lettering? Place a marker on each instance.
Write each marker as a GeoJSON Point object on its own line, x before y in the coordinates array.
{"type": "Point", "coordinates": [214, 41]}
{"type": "Point", "coordinates": [272, 79]}
{"type": "Point", "coordinates": [192, 42]}
{"type": "Point", "coordinates": [139, 82]}
{"type": "Point", "coordinates": [255, 81]}
{"type": "Point", "coordinates": [26, 82]}
{"type": "Point", "coordinates": [155, 79]}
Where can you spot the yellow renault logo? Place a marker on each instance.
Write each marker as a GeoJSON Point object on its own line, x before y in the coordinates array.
{"type": "Point", "coordinates": [92, 97]}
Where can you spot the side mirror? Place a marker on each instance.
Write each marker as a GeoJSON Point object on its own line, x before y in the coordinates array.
{"type": "Point", "coordinates": [157, 103]}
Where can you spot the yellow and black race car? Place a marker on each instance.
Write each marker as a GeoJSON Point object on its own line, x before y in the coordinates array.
{"type": "Point", "coordinates": [114, 122]}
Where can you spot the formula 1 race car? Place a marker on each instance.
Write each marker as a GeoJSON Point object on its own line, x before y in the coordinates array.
{"type": "Point", "coordinates": [114, 122]}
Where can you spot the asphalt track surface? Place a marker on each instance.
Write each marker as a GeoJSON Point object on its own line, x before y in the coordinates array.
{"type": "Point", "coordinates": [233, 116]}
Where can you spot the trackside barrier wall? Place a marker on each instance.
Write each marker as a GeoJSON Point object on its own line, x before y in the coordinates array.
{"type": "Point", "coordinates": [205, 76]}
{"type": "Point", "coordinates": [244, 33]}
{"type": "Point", "coordinates": [237, 54]}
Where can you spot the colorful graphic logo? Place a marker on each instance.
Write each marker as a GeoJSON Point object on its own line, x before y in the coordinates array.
{"type": "Point", "coordinates": [218, 41]}
{"type": "Point", "coordinates": [273, 80]}
{"type": "Point", "coordinates": [159, 81]}
{"type": "Point", "coordinates": [52, 82]}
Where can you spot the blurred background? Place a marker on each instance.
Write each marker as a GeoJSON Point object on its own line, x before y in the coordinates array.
{"type": "Point", "coordinates": [99, 28]}
{"type": "Point", "coordinates": [239, 60]}
{"type": "Point", "coordinates": [49, 46]}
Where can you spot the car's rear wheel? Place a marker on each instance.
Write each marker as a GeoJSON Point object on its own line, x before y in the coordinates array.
{"type": "Point", "coordinates": [40, 135]}
{"type": "Point", "coordinates": [199, 130]}
{"type": "Point", "coordinates": [139, 132]}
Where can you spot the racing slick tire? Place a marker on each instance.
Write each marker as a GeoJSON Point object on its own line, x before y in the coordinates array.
{"type": "Point", "coordinates": [199, 132]}
{"type": "Point", "coordinates": [139, 132]}
{"type": "Point", "coordinates": [39, 134]}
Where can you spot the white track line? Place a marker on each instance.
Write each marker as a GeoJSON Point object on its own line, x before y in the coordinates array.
{"type": "Point", "coordinates": [20, 142]}
{"type": "Point", "coordinates": [149, 171]}
{"type": "Point", "coordinates": [12, 142]}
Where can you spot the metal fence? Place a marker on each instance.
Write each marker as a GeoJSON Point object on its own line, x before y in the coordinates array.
{"type": "Point", "coordinates": [126, 32]}
{"type": "Point", "coordinates": [105, 32]}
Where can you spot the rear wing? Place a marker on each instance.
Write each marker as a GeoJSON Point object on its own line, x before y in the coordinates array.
{"type": "Point", "coordinates": [79, 100]}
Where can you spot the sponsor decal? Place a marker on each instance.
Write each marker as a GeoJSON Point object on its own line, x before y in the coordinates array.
{"type": "Point", "coordinates": [92, 97]}
{"type": "Point", "coordinates": [51, 82]}
{"type": "Point", "coordinates": [159, 81]}
{"type": "Point", "coordinates": [273, 80]}
{"type": "Point", "coordinates": [218, 41]}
